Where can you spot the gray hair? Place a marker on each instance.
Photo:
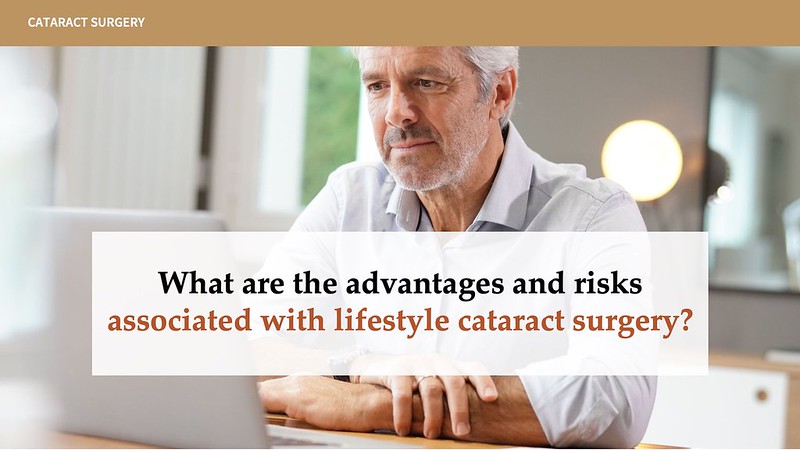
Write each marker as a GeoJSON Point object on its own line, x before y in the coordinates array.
{"type": "Point", "coordinates": [490, 63]}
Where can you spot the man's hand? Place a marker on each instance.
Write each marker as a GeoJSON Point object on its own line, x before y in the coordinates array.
{"type": "Point", "coordinates": [325, 402]}
{"type": "Point", "coordinates": [431, 390]}
{"type": "Point", "coordinates": [331, 404]}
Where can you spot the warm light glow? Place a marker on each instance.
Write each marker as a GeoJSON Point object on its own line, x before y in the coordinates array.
{"type": "Point", "coordinates": [724, 193]}
{"type": "Point", "coordinates": [644, 157]}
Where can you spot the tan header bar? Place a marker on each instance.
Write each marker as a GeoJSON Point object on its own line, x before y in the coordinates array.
{"type": "Point", "coordinates": [442, 22]}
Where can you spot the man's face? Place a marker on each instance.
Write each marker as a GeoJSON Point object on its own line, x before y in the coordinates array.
{"type": "Point", "coordinates": [429, 120]}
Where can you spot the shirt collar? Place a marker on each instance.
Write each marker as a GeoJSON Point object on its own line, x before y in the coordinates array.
{"type": "Point", "coordinates": [406, 207]}
{"type": "Point", "coordinates": [506, 203]}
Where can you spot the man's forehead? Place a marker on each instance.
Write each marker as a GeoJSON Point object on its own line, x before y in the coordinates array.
{"type": "Point", "coordinates": [409, 58]}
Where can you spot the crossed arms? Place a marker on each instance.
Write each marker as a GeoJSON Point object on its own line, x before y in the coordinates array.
{"type": "Point", "coordinates": [334, 405]}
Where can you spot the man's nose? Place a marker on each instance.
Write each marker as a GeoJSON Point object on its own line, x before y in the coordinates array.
{"type": "Point", "coordinates": [400, 111]}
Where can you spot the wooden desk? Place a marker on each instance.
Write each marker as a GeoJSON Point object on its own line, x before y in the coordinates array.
{"type": "Point", "coordinates": [279, 419]}
{"type": "Point", "coordinates": [67, 440]}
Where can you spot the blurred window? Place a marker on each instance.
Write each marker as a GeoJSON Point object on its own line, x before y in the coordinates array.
{"type": "Point", "coordinates": [733, 132]}
{"type": "Point", "coordinates": [310, 125]}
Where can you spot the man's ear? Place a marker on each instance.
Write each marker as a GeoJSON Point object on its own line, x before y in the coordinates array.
{"type": "Point", "coordinates": [504, 93]}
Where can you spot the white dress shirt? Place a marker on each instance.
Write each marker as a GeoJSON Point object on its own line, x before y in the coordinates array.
{"type": "Point", "coordinates": [529, 193]}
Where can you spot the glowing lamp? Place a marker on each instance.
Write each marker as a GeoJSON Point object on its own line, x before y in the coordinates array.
{"type": "Point", "coordinates": [644, 157]}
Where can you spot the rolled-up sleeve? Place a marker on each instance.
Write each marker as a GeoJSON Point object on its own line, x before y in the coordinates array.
{"type": "Point", "coordinates": [592, 411]}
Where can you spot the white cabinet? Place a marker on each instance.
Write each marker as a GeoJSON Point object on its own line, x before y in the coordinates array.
{"type": "Point", "coordinates": [742, 403]}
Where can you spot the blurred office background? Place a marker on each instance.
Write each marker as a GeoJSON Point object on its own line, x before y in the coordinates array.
{"type": "Point", "coordinates": [251, 134]}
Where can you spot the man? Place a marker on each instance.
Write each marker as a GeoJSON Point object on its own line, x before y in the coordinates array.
{"type": "Point", "coordinates": [452, 161]}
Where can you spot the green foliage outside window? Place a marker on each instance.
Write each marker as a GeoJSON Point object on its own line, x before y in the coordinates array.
{"type": "Point", "coordinates": [331, 116]}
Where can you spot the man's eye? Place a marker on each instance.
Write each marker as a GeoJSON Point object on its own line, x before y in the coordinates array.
{"type": "Point", "coordinates": [375, 87]}
{"type": "Point", "coordinates": [428, 84]}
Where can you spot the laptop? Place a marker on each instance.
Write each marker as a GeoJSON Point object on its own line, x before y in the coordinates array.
{"type": "Point", "coordinates": [177, 411]}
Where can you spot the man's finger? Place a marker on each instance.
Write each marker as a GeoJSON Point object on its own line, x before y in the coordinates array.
{"type": "Point", "coordinates": [455, 387]}
{"type": "Point", "coordinates": [402, 388]}
{"type": "Point", "coordinates": [484, 386]}
{"type": "Point", "coordinates": [430, 391]}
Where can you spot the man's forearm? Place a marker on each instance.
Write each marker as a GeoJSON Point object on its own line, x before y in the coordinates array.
{"type": "Point", "coordinates": [508, 420]}
{"type": "Point", "coordinates": [334, 405]}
